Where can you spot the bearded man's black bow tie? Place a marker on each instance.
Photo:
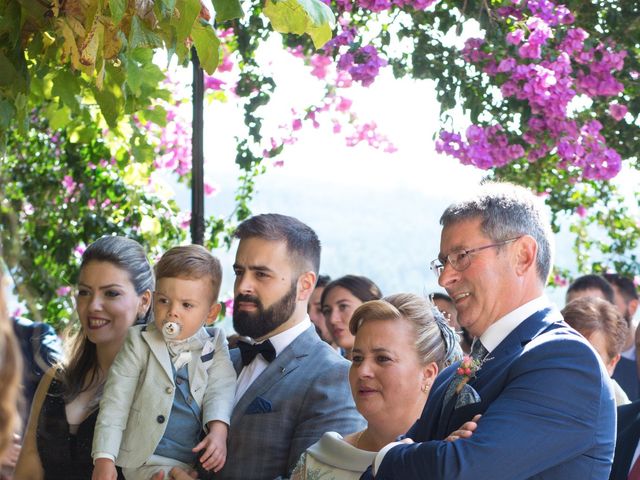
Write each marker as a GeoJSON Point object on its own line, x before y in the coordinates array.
{"type": "Point", "coordinates": [249, 351]}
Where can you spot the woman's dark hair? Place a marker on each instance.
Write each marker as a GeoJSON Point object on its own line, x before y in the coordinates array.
{"type": "Point", "coordinates": [81, 371]}
{"type": "Point", "coordinates": [360, 287]}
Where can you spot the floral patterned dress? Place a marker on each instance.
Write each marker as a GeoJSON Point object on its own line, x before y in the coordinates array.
{"type": "Point", "coordinates": [331, 458]}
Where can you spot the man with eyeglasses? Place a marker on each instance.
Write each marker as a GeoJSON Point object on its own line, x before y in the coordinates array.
{"type": "Point", "coordinates": [548, 410]}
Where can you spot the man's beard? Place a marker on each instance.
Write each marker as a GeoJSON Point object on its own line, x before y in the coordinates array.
{"type": "Point", "coordinates": [259, 323]}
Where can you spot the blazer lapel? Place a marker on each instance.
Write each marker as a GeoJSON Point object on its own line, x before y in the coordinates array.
{"type": "Point", "coordinates": [285, 363]}
{"type": "Point", "coordinates": [236, 359]}
{"type": "Point", "coordinates": [511, 346]}
{"type": "Point", "coordinates": [158, 348]}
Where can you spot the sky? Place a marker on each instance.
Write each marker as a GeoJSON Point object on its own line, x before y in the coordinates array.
{"type": "Point", "coordinates": [375, 213]}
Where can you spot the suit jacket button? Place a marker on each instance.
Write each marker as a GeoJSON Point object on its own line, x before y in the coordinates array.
{"type": "Point", "coordinates": [160, 418]}
{"type": "Point", "coordinates": [169, 390]}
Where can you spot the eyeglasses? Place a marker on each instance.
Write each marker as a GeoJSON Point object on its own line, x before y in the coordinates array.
{"type": "Point", "coordinates": [461, 259]}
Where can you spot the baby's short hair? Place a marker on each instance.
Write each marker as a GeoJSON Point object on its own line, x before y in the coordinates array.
{"type": "Point", "coordinates": [192, 262]}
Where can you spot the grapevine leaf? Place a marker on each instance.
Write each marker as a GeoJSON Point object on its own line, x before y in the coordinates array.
{"type": "Point", "coordinates": [227, 10]}
{"type": "Point", "coordinates": [207, 45]}
{"type": "Point", "coordinates": [302, 16]}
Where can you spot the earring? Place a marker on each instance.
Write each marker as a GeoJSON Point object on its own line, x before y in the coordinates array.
{"type": "Point", "coordinates": [425, 388]}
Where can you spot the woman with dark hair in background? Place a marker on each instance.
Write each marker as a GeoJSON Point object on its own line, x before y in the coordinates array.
{"type": "Point", "coordinates": [339, 300]}
{"type": "Point", "coordinates": [114, 292]}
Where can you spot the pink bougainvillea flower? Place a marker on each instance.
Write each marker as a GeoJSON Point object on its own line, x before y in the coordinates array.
{"type": "Point", "coordinates": [63, 291]}
{"type": "Point", "coordinates": [617, 111]}
{"type": "Point", "coordinates": [212, 83]}
{"type": "Point", "coordinates": [209, 189]}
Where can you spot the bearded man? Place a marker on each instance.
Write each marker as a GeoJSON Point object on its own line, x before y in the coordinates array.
{"type": "Point", "coordinates": [292, 387]}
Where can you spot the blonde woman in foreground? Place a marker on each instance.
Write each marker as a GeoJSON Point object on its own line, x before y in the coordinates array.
{"type": "Point", "coordinates": [401, 343]}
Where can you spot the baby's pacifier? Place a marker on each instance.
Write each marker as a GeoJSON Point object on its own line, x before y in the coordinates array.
{"type": "Point", "coordinates": [171, 330]}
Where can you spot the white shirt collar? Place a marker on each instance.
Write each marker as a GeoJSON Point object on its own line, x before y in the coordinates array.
{"type": "Point", "coordinates": [498, 331]}
{"type": "Point", "coordinates": [283, 339]}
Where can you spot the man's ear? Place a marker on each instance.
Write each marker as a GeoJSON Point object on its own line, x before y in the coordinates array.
{"type": "Point", "coordinates": [306, 284]}
{"type": "Point", "coordinates": [214, 311]}
{"type": "Point", "coordinates": [633, 307]}
{"type": "Point", "coordinates": [526, 251]}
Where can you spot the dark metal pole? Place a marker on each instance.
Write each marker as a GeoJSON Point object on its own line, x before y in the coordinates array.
{"type": "Point", "coordinates": [197, 153]}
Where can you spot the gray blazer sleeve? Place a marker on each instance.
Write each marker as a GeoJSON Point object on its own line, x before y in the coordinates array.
{"type": "Point", "coordinates": [327, 407]}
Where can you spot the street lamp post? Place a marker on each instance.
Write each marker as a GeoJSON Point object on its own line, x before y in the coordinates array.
{"type": "Point", "coordinates": [197, 153]}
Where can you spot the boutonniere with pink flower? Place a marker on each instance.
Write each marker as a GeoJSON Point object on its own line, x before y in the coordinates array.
{"type": "Point", "coordinates": [466, 371]}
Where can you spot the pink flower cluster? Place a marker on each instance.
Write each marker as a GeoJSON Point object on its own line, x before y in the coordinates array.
{"type": "Point", "coordinates": [382, 5]}
{"type": "Point", "coordinates": [546, 74]}
{"type": "Point", "coordinates": [361, 63]}
{"type": "Point", "coordinates": [368, 132]}
{"type": "Point", "coordinates": [174, 146]}
{"type": "Point", "coordinates": [484, 147]}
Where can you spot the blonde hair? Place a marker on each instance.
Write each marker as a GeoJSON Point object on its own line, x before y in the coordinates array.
{"type": "Point", "coordinates": [10, 375]}
{"type": "Point", "coordinates": [435, 341]}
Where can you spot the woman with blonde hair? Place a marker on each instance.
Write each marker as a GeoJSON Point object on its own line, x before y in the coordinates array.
{"type": "Point", "coordinates": [401, 343]}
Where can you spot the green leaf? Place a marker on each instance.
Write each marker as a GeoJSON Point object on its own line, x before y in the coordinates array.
{"type": "Point", "coordinates": [7, 113]}
{"type": "Point", "coordinates": [183, 23]}
{"type": "Point", "coordinates": [207, 45]}
{"type": "Point", "coordinates": [302, 16]}
{"type": "Point", "coordinates": [8, 72]}
{"type": "Point", "coordinates": [134, 76]}
{"type": "Point", "coordinates": [166, 7]}
{"type": "Point", "coordinates": [117, 8]}
{"type": "Point", "coordinates": [65, 86]}
{"type": "Point", "coordinates": [227, 10]}
{"type": "Point", "coordinates": [141, 36]}
{"type": "Point", "coordinates": [109, 105]}
{"type": "Point", "coordinates": [58, 117]}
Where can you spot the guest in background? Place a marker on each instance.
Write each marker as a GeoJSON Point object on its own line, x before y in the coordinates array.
{"type": "Point", "coordinates": [448, 308]}
{"type": "Point", "coordinates": [41, 349]}
{"type": "Point", "coordinates": [114, 292]}
{"type": "Point", "coordinates": [401, 343]}
{"type": "Point", "coordinates": [602, 325]}
{"type": "Point", "coordinates": [626, 460]}
{"type": "Point", "coordinates": [625, 296]}
{"type": "Point", "coordinates": [339, 300]}
{"type": "Point", "coordinates": [590, 286]}
{"type": "Point", "coordinates": [626, 372]}
{"type": "Point", "coordinates": [315, 310]}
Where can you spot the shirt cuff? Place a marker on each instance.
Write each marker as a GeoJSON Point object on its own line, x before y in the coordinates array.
{"type": "Point", "coordinates": [380, 456]}
{"type": "Point", "coordinates": [103, 455]}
